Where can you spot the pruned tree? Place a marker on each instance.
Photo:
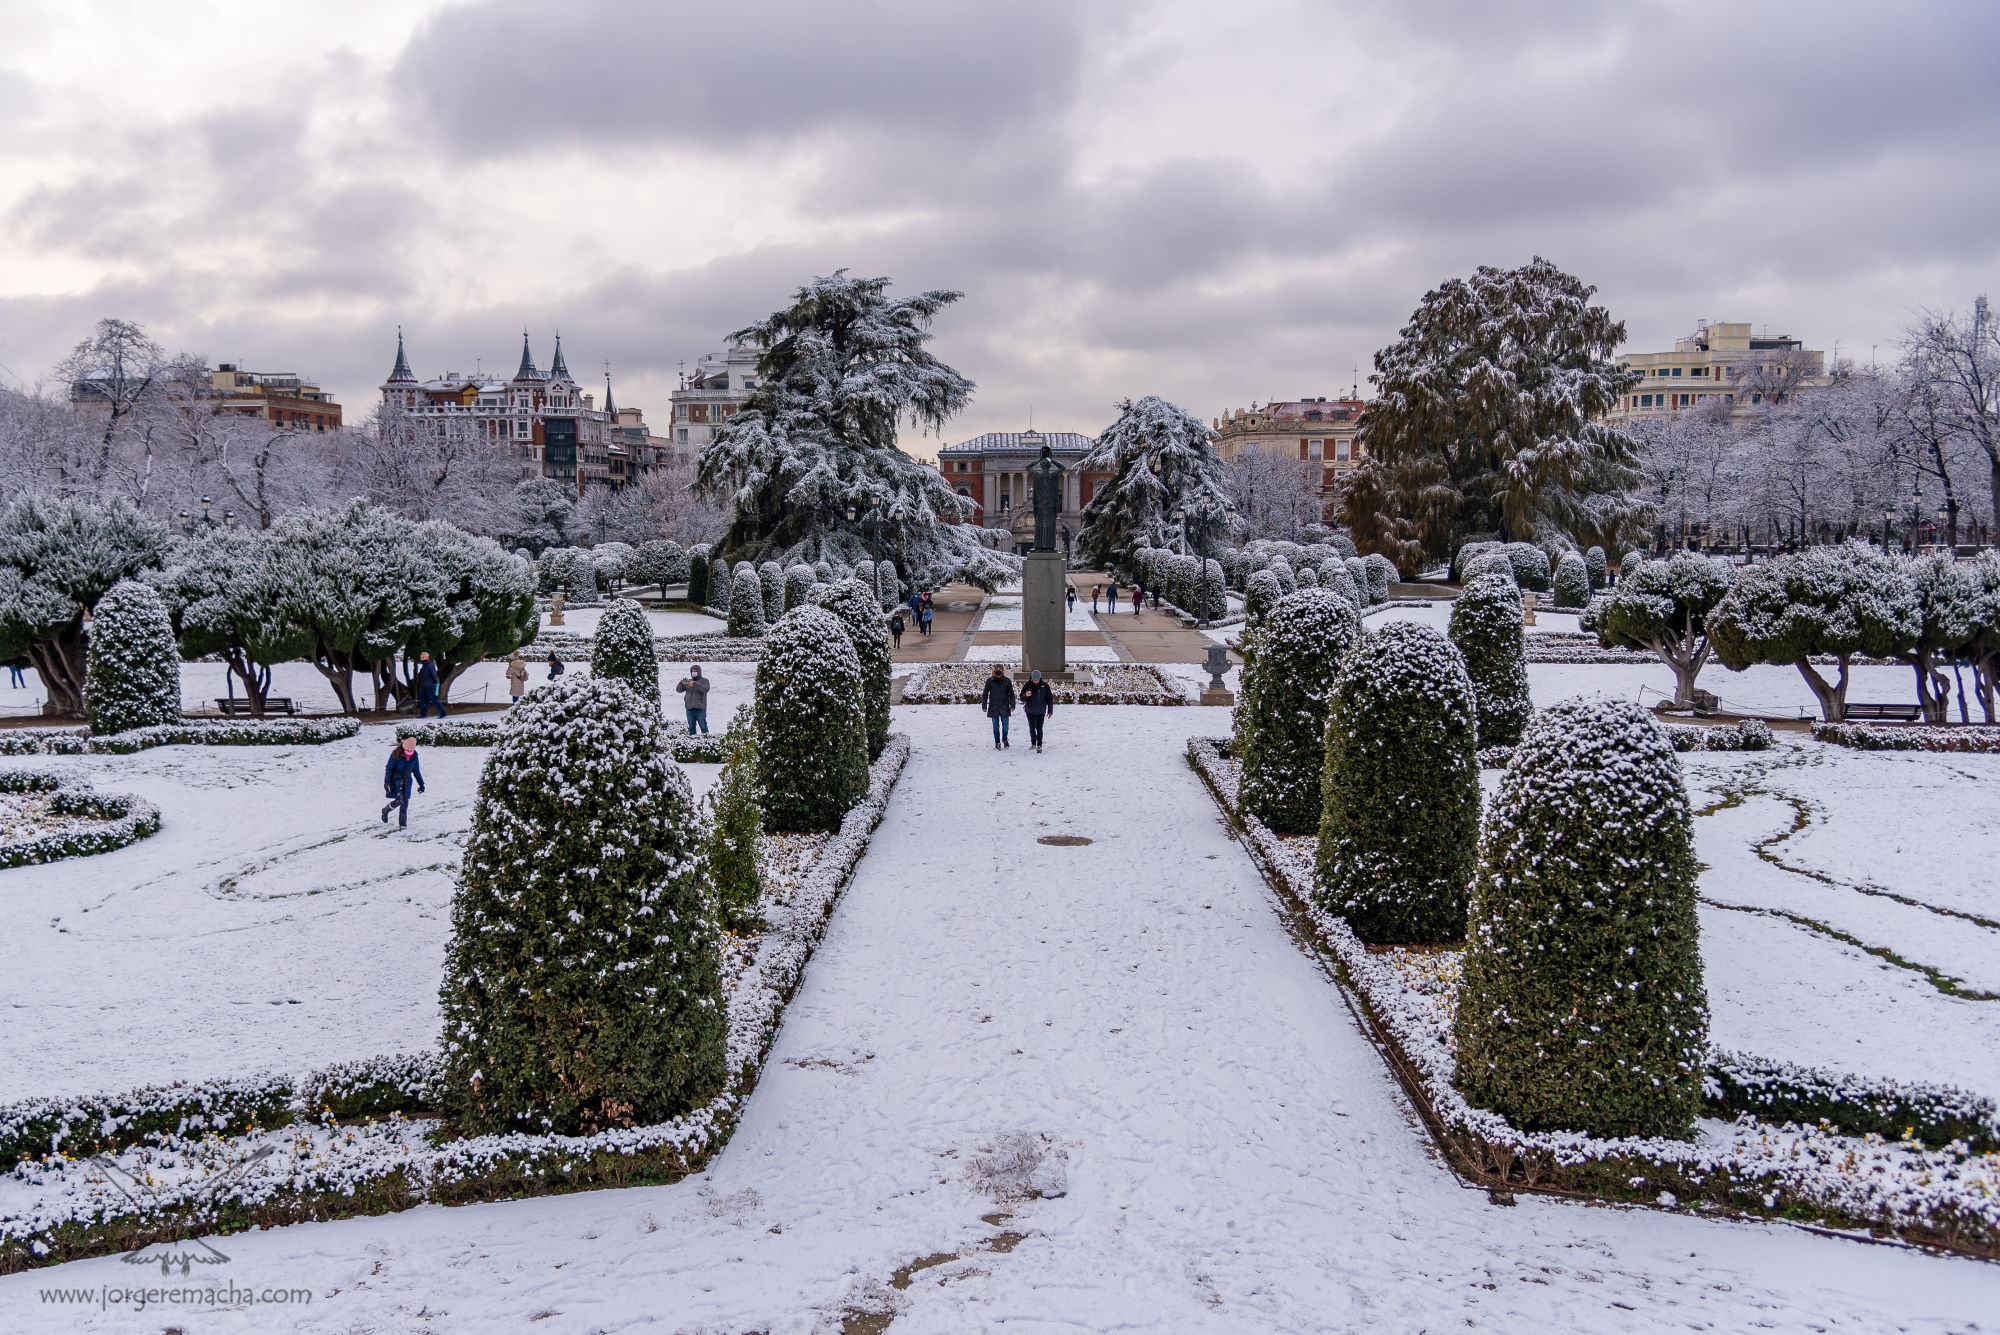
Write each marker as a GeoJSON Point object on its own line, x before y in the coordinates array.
{"type": "Point", "coordinates": [225, 596]}
{"type": "Point", "coordinates": [1663, 606]}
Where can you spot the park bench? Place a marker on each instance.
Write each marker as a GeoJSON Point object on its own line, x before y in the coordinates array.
{"type": "Point", "coordinates": [1896, 713]}
{"type": "Point", "coordinates": [272, 704]}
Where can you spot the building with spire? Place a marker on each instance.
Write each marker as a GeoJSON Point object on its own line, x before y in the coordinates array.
{"type": "Point", "coordinates": [544, 420]}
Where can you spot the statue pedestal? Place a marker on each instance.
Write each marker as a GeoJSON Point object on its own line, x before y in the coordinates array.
{"type": "Point", "coordinates": [1043, 583]}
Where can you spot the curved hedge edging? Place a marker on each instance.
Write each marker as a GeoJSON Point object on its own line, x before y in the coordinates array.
{"type": "Point", "coordinates": [699, 749]}
{"type": "Point", "coordinates": [1909, 737]}
{"type": "Point", "coordinates": [128, 819]}
{"type": "Point", "coordinates": [1750, 734]}
{"type": "Point", "coordinates": [192, 732]}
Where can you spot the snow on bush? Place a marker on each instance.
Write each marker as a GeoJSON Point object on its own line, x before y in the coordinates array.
{"type": "Point", "coordinates": [570, 571]}
{"type": "Point", "coordinates": [1122, 684]}
{"type": "Point", "coordinates": [1264, 594]}
{"type": "Point", "coordinates": [189, 732]}
{"type": "Point", "coordinates": [734, 811]}
{"type": "Point", "coordinates": [1308, 578]}
{"type": "Point", "coordinates": [721, 580]}
{"type": "Point", "coordinates": [1630, 562]}
{"type": "Point", "coordinates": [1531, 566]}
{"type": "Point", "coordinates": [582, 986]}
{"type": "Point", "coordinates": [1750, 734]}
{"type": "Point", "coordinates": [58, 816]}
{"type": "Point", "coordinates": [746, 605]}
{"type": "Point", "coordinates": [854, 604]}
{"type": "Point", "coordinates": [698, 578]}
{"type": "Point", "coordinates": [1908, 737]}
{"type": "Point", "coordinates": [1663, 607]}
{"type": "Point", "coordinates": [1334, 578]}
{"type": "Point", "coordinates": [134, 675]}
{"type": "Point", "coordinates": [1461, 561]}
{"type": "Point", "coordinates": [400, 1082]}
{"type": "Point", "coordinates": [771, 580]}
{"type": "Point", "coordinates": [799, 581]}
{"type": "Point", "coordinates": [888, 583]}
{"type": "Point", "coordinates": [1211, 593]}
{"type": "Point", "coordinates": [1381, 574]}
{"type": "Point", "coordinates": [1357, 570]}
{"type": "Point", "coordinates": [41, 1128]}
{"type": "Point", "coordinates": [812, 747]}
{"type": "Point", "coordinates": [1492, 562]}
{"type": "Point", "coordinates": [659, 562]}
{"type": "Point", "coordinates": [623, 649]}
{"type": "Point", "coordinates": [1281, 720]}
{"type": "Point", "coordinates": [1486, 627]}
{"type": "Point", "coordinates": [1400, 816]}
{"type": "Point", "coordinates": [1776, 1091]}
{"type": "Point", "coordinates": [1596, 566]}
{"type": "Point", "coordinates": [1288, 580]}
{"type": "Point", "coordinates": [1572, 582]}
{"type": "Point", "coordinates": [1583, 1007]}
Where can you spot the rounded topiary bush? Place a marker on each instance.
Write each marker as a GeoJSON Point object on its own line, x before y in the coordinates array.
{"type": "Point", "coordinates": [1582, 1006]}
{"type": "Point", "coordinates": [582, 985]}
{"type": "Point", "coordinates": [812, 746]}
{"type": "Point", "coordinates": [1597, 567]}
{"type": "Point", "coordinates": [799, 581]}
{"type": "Point", "coordinates": [623, 649]}
{"type": "Point", "coordinates": [1486, 627]}
{"type": "Point", "coordinates": [698, 579]}
{"type": "Point", "coordinates": [888, 583]}
{"type": "Point", "coordinates": [1334, 578]}
{"type": "Point", "coordinates": [1572, 581]}
{"type": "Point", "coordinates": [1308, 577]}
{"type": "Point", "coordinates": [1357, 570]}
{"type": "Point", "coordinates": [133, 675]}
{"type": "Point", "coordinates": [1281, 720]}
{"type": "Point", "coordinates": [1263, 594]}
{"type": "Point", "coordinates": [1631, 561]}
{"type": "Point", "coordinates": [1399, 829]}
{"type": "Point", "coordinates": [1288, 579]}
{"type": "Point", "coordinates": [854, 603]}
{"type": "Point", "coordinates": [721, 579]}
{"type": "Point", "coordinates": [1381, 574]}
{"type": "Point", "coordinates": [1211, 592]}
{"type": "Point", "coordinates": [746, 605]}
{"type": "Point", "coordinates": [1531, 566]}
{"type": "Point", "coordinates": [1495, 562]}
{"type": "Point", "coordinates": [771, 578]}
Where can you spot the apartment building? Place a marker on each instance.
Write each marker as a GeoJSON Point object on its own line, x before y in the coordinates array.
{"type": "Point", "coordinates": [1725, 362]}
{"type": "Point", "coordinates": [710, 395]}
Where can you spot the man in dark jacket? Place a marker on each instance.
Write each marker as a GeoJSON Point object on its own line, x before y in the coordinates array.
{"type": "Point", "coordinates": [998, 702]}
{"type": "Point", "coordinates": [427, 687]}
{"type": "Point", "coordinates": [694, 687]}
{"type": "Point", "coordinates": [1037, 702]}
{"type": "Point", "coordinates": [401, 771]}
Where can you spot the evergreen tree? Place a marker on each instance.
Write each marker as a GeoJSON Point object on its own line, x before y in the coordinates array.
{"type": "Point", "coordinates": [543, 508]}
{"type": "Point", "coordinates": [698, 578]}
{"type": "Point", "coordinates": [812, 741]}
{"type": "Point", "coordinates": [1631, 561]}
{"type": "Point", "coordinates": [1491, 414]}
{"type": "Point", "coordinates": [1486, 627]}
{"type": "Point", "coordinates": [226, 597]}
{"type": "Point", "coordinates": [851, 601]}
{"type": "Point", "coordinates": [809, 465]}
{"type": "Point", "coordinates": [469, 601]}
{"type": "Point", "coordinates": [721, 579]}
{"type": "Point", "coordinates": [1948, 617]}
{"type": "Point", "coordinates": [1280, 724]}
{"type": "Point", "coordinates": [583, 986]}
{"type": "Point", "coordinates": [1161, 461]}
{"type": "Point", "coordinates": [1582, 1006]}
{"type": "Point", "coordinates": [735, 809]}
{"type": "Point", "coordinates": [623, 649]}
{"type": "Point", "coordinates": [133, 679]}
{"type": "Point", "coordinates": [1663, 606]}
{"type": "Point", "coordinates": [1288, 580]}
{"type": "Point", "coordinates": [660, 562]}
{"type": "Point", "coordinates": [1572, 582]}
{"type": "Point", "coordinates": [746, 605]}
{"type": "Point", "coordinates": [1400, 826]}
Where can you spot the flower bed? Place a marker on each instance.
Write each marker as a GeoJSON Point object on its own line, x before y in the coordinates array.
{"type": "Point", "coordinates": [1748, 734]}
{"type": "Point", "coordinates": [315, 1165]}
{"type": "Point", "coordinates": [1120, 684]}
{"type": "Point", "coordinates": [67, 818]}
{"type": "Point", "coordinates": [192, 732]}
{"type": "Point", "coordinates": [701, 749]}
{"type": "Point", "coordinates": [1837, 1168]}
{"type": "Point", "coordinates": [1909, 736]}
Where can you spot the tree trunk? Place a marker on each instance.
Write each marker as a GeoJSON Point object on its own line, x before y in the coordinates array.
{"type": "Point", "coordinates": [246, 672]}
{"type": "Point", "coordinates": [333, 665]}
{"type": "Point", "coordinates": [61, 661]}
{"type": "Point", "coordinates": [448, 672]}
{"type": "Point", "coordinates": [1832, 695]}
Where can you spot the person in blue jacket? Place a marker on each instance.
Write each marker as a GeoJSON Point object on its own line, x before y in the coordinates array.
{"type": "Point", "coordinates": [401, 771]}
{"type": "Point", "coordinates": [427, 687]}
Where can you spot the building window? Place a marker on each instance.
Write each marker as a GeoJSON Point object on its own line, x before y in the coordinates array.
{"type": "Point", "coordinates": [1677, 372]}
{"type": "Point", "coordinates": [1315, 449]}
{"type": "Point", "coordinates": [680, 435]}
{"type": "Point", "coordinates": [1340, 450]}
{"type": "Point", "coordinates": [1006, 500]}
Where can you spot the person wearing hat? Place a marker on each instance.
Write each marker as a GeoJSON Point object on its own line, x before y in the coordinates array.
{"type": "Point", "coordinates": [997, 700]}
{"type": "Point", "coordinates": [1038, 701]}
{"type": "Point", "coordinates": [517, 678]}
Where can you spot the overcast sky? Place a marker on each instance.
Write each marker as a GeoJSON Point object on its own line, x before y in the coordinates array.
{"type": "Point", "coordinates": [1217, 203]}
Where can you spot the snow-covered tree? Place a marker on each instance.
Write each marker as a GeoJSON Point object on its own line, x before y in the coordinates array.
{"type": "Point", "coordinates": [799, 581]}
{"type": "Point", "coordinates": [583, 984]}
{"type": "Point", "coordinates": [612, 562]}
{"type": "Point", "coordinates": [771, 579]}
{"type": "Point", "coordinates": [1212, 593]}
{"type": "Point", "coordinates": [1494, 561]}
{"type": "Point", "coordinates": [698, 578]}
{"type": "Point", "coordinates": [810, 465]}
{"type": "Point", "coordinates": [1531, 566]}
{"type": "Point", "coordinates": [134, 675]}
{"type": "Point", "coordinates": [1948, 597]}
{"type": "Point", "coordinates": [1381, 574]}
{"type": "Point", "coordinates": [1582, 1006]}
{"type": "Point", "coordinates": [660, 562]}
{"type": "Point", "coordinates": [1486, 627]}
{"type": "Point", "coordinates": [1275, 496]}
{"type": "Point", "coordinates": [1399, 828]}
{"type": "Point", "coordinates": [623, 648]}
{"type": "Point", "coordinates": [721, 579]}
{"type": "Point", "coordinates": [540, 512]}
{"type": "Point", "coordinates": [1664, 606]}
{"type": "Point", "coordinates": [735, 812]}
{"type": "Point", "coordinates": [57, 558]}
{"type": "Point", "coordinates": [225, 596]}
{"type": "Point", "coordinates": [1162, 463]}
{"type": "Point", "coordinates": [569, 571]}
{"type": "Point", "coordinates": [746, 605]}
{"type": "Point", "coordinates": [854, 603]}
{"type": "Point", "coordinates": [1982, 647]}
{"type": "Point", "coordinates": [812, 741]}
{"type": "Point", "coordinates": [1491, 415]}
{"type": "Point", "coordinates": [1281, 721]}
{"type": "Point", "coordinates": [1596, 566]}
{"type": "Point", "coordinates": [888, 583]}
{"type": "Point", "coordinates": [1840, 601]}
{"type": "Point", "coordinates": [342, 575]}
{"type": "Point", "coordinates": [1630, 562]}
{"type": "Point", "coordinates": [1282, 571]}
{"type": "Point", "coordinates": [469, 601]}
{"type": "Point", "coordinates": [1572, 581]}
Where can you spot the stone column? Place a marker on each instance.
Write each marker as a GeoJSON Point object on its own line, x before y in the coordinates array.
{"type": "Point", "coordinates": [1043, 643]}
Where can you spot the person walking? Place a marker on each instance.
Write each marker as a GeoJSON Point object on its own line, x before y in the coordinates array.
{"type": "Point", "coordinates": [896, 629]}
{"type": "Point", "coordinates": [916, 605]}
{"type": "Point", "coordinates": [1112, 594]}
{"type": "Point", "coordinates": [427, 687]}
{"type": "Point", "coordinates": [14, 676]}
{"type": "Point", "coordinates": [1070, 599]}
{"type": "Point", "coordinates": [925, 625]}
{"type": "Point", "coordinates": [998, 702]}
{"type": "Point", "coordinates": [1038, 701]}
{"type": "Point", "coordinates": [1138, 598]}
{"type": "Point", "coordinates": [517, 678]}
{"type": "Point", "coordinates": [694, 690]}
{"type": "Point", "coordinates": [401, 771]}
{"type": "Point", "coordinates": [555, 666]}
{"type": "Point", "coordinates": [1095, 590]}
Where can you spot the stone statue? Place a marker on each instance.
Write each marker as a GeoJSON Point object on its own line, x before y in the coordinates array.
{"type": "Point", "coordinates": [1045, 486]}
{"type": "Point", "coordinates": [556, 610]}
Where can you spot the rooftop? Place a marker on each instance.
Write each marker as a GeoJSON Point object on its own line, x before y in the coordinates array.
{"type": "Point", "coordinates": [1060, 442]}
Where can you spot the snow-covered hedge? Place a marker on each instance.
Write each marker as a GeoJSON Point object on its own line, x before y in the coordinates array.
{"type": "Point", "coordinates": [1750, 734]}
{"type": "Point", "coordinates": [134, 674]}
{"type": "Point", "coordinates": [36, 1129]}
{"type": "Point", "coordinates": [1211, 593]}
{"type": "Point", "coordinates": [698, 578]}
{"type": "Point", "coordinates": [854, 603]}
{"type": "Point", "coordinates": [799, 580]}
{"type": "Point", "coordinates": [1908, 737]}
{"type": "Point", "coordinates": [1400, 814]}
{"type": "Point", "coordinates": [1531, 566]}
{"type": "Point", "coordinates": [623, 649]}
{"type": "Point", "coordinates": [812, 740]}
{"type": "Point", "coordinates": [1486, 627]}
{"type": "Point", "coordinates": [189, 732]}
{"type": "Point", "coordinates": [1263, 594]}
{"type": "Point", "coordinates": [746, 605]}
{"type": "Point", "coordinates": [1777, 1091]}
{"type": "Point", "coordinates": [1597, 567]}
{"type": "Point", "coordinates": [1281, 719]}
{"type": "Point", "coordinates": [1582, 1006]}
{"type": "Point", "coordinates": [403, 1082]}
{"type": "Point", "coordinates": [44, 741]}
{"type": "Point", "coordinates": [1381, 574]}
{"type": "Point", "coordinates": [659, 562]}
{"type": "Point", "coordinates": [703, 748]}
{"type": "Point", "coordinates": [1572, 582]}
{"type": "Point", "coordinates": [117, 819]}
{"type": "Point", "coordinates": [1119, 684]}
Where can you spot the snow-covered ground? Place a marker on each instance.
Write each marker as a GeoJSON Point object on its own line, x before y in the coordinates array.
{"type": "Point", "coordinates": [582, 621]}
{"type": "Point", "coordinates": [1011, 653]}
{"type": "Point", "coordinates": [1125, 1028]}
{"type": "Point", "coordinates": [1004, 614]}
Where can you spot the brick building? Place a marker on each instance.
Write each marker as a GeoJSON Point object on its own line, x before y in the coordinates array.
{"type": "Point", "coordinates": [992, 471]}
{"type": "Point", "coordinates": [1317, 432]}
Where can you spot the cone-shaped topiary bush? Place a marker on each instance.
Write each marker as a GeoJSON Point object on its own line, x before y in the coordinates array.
{"type": "Point", "coordinates": [1594, 563]}
{"type": "Point", "coordinates": [1572, 581]}
{"type": "Point", "coordinates": [771, 577]}
{"type": "Point", "coordinates": [888, 583]}
{"type": "Point", "coordinates": [1288, 579]}
{"type": "Point", "coordinates": [1263, 594]}
{"type": "Point", "coordinates": [1308, 577]}
{"type": "Point", "coordinates": [799, 580]}
{"type": "Point", "coordinates": [746, 605]}
{"type": "Point", "coordinates": [698, 578]}
{"type": "Point", "coordinates": [812, 744]}
{"type": "Point", "coordinates": [582, 985]}
{"type": "Point", "coordinates": [132, 677]}
{"type": "Point", "coordinates": [1381, 574]}
{"type": "Point", "coordinates": [1400, 827]}
{"type": "Point", "coordinates": [1281, 721]}
{"type": "Point", "coordinates": [721, 579]}
{"type": "Point", "coordinates": [1357, 570]}
{"type": "Point", "coordinates": [1212, 593]}
{"type": "Point", "coordinates": [1631, 562]}
{"type": "Point", "coordinates": [735, 811]}
{"type": "Point", "coordinates": [1531, 566]}
{"type": "Point", "coordinates": [1334, 577]}
{"type": "Point", "coordinates": [623, 649]}
{"type": "Point", "coordinates": [1583, 1007]}
{"type": "Point", "coordinates": [1486, 627]}
{"type": "Point", "coordinates": [854, 604]}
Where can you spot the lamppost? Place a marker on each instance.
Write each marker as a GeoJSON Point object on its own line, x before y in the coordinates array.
{"type": "Point", "coordinates": [207, 521]}
{"type": "Point", "coordinates": [1916, 510]}
{"type": "Point", "coordinates": [1888, 529]}
{"type": "Point", "coordinates": [1943, 517]}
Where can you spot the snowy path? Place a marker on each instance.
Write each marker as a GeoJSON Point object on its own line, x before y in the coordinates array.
{"type": "Point", "coordinates": [1232, 1154]}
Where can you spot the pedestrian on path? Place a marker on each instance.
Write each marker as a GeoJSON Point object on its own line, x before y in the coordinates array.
{"type": "Point", "coordinates": [925, 624]}
{"type": "Point", "coordinates": [1112, 594]}
{"type": "Point", "coordinates": [1072, 598]}
{"type": "Point", "coordinates": [998, 702]}
{"type": "Point", "coordinates": [15, 678]}
{"type": "Point", "coordinates": [916, 606]}
{"type": "Point", "coordinates": [896, 629]}
{"type": "Point", "coordinates": [694, 691]}
{"type": "Point", "coordinates": [1094, 592]}
{"type": "Point", "coordinates": [1138, 599]}
{"type": "Point", "coordinates": [397, 776]}
{"type": "Point", "coordinates": [517, 678]}
{"type": "Point", "coordinates": [1037, 702]}
{"type": "Point", "coordinates": [427, 687]}
{"type": "Point", "coordinates": [555, 666]}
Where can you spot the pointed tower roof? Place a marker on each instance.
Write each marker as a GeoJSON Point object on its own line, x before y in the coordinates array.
{"type": "Point", "coordinates": [401, 375]}
{"type": "Point", "coordinates": [610, 404]}
{"type": "Point", "coordinates": [527, 371]}
{"type": "Point", "coordinates": [559, 369]}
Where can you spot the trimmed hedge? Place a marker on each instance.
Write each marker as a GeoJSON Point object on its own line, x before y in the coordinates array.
{"type": "Point", "coordinates": [1750, 734]}
{"type": "Point", "coordinates": [799, 581]}
{"type": "Point", "coordinates": [1909, 737]}
{"type": "Point", "coordinates": [1381, 574]}
{"type": "Point", "coordinates": [734, 809]}
{"type": "Point", "coordinates": [1775, 1091]}
{"type": "Point", "coordinates": [1531, 566]}
{"type": "Point", "coordinates": [1400, 824]}
{"type": "Point", "coordinates": [35, 1129]}
{"type": "Point", "coordinates": [1572, 582]}
{"type": "Point", "coordinates": [698, 579]}
{"type": "Point", "coordinates": [812, 751]}
{"type": "Point", "coordinates": [1281, 720]}
{"type": "Point", "coordinates": [1582, 1007]}
{"type": "Point", "coordinates": [133, 679]}
{"type": "Point", "coordinates": [1596, 565]}
{"type": "Point", "coordinates": [1486, 627]}
{"type": "Point", "coordinates": [746, 605]}
{"type": "Point", "coordinates": [623, 649]}
{"type": "Point", "coordinates": [854, 603]}
{"type": "Point", "coordinates": [1263, 594]}
{"type": "Point", "coordinates": [128, 819]}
